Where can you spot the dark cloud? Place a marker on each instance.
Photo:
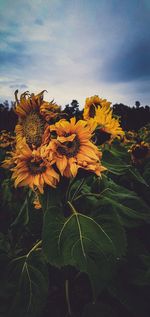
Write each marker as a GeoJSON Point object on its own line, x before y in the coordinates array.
{"type": "Point", "coordinates": [131, 63]}
{"type": "Point", "coordinates": [16, 59]}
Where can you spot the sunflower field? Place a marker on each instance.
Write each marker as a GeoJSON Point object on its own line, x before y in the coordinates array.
{"type": "Point", "coordinates": [75, 213]}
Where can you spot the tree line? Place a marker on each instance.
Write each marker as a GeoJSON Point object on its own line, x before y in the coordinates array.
{"type": "Point", "coordinates": [131, 118]}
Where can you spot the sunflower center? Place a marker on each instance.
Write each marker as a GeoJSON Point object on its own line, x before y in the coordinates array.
{"type": "Point", "coordinates": [33, 129]}
{"type": "Point", "coordinates": [36, 167]}
{"type": "Point", "coordinates": [69, 148]}
{"type": "Point", "coordinates": [140, 152]}
{"type": "Point", "coordinates": [101, 136]}
{"type": "Point", "coordinates": [92, 111]}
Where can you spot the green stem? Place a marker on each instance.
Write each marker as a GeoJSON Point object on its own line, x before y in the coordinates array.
{"type": "Point", "coordinates": [68, 189]}
{"type": "Point", "coordinates": [67, 297]}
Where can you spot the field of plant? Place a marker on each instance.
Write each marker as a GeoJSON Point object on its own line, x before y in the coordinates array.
{"type": "Point", "coordinates": [75, 213]}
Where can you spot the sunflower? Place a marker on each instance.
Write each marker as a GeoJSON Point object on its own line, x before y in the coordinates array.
{"type": "Point", "coordinates": [33, 113]}
{"type": "Point", "coordinates": [6, 139]}
{"type": "Point", "coordinates": [92, 103]}
{"type": "Point", "coordinates": [49, 110]}
{"type": "Point", "coordinates": [72, 148]}
{"type": "Point", "coordinates": [32, 169]}
{"type": "Point", "coordinates": [108, 128]}
{"type": "Point", "coordinates": [139, 152]}
{"type": "Point", "coordinates": [130, 137]}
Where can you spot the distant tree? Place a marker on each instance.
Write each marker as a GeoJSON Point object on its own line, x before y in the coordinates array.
{"type": "Point", "coordinates": [72, 110]}
{"type": "Point", "coordinates": [8, 118]}
{"type": "Point", "coordinates": [132, 118]}
{"type": "Point", "coordinates": [137, 104]}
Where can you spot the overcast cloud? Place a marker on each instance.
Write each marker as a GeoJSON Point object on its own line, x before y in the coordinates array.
{"type": "Point", "coordinates": [75, 49]}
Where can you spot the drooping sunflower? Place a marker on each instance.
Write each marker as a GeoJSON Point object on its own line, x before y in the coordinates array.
{"type": "Point", "coordinates": [139, 152]}
{"type": "Point", "coordinates": [72, 148]}
{"type": "Point", "coordinates": [6, 139]}
{"type": "Point", "coordinates": [92, 103]}
{"type": "Point", "coordinates": [108, 128]}
{"type": "Point", "coordinates": [32, 169]}
{"type": "Point", "coordinates": [49, 110]}
{"type": "Point", "coordinates": [33, 113]}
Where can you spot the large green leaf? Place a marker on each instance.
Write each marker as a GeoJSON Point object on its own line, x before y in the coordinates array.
{"type": "Point", "coordinates": [119, 166]}
{"type": "Point", "coordinates": [114, 202]}
{"type": "Point", "coordinates": [114, 164]}
{"type": "Point", "coordinates": [28, 280]}
{"type": "Point", "coordinates": [131, 209]}
{"type": "Point", "coordinates": [106, 215]}
{"type": "Point", "coordinates": [120, 151]}
{"type": "Point", "coordinates": [78, 241]}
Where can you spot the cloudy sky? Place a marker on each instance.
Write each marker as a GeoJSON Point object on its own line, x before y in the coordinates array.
{"type": "Point", "coordinates": [75, 49]}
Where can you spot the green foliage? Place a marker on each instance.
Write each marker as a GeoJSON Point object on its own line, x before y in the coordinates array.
{"type": "Point", "coordinates": [26, 286]}
{"type": "Point", "coordinates": [96, 227]}
{"type": "Point", "coordinates": [79, 241]}
{"type": "Point", "coordinates": [117, 161]}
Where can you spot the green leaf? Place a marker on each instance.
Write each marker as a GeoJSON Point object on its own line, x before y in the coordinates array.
{"type": "Point", "coordinates": [131, 209]}
{"type": "Point", "coordinates": [119, 166]}
{"type": "Point", "coordinates": [120, 151]}
{"type": "Point", "coordinates": [105, 214]}
{"type": "Point", "coordinates": [28, 278]}
{"type": "Point", "coordinates": [135, 175]}
{"type": "Point", "coordinates": [114, 164]}
{"type": "Point", "coordinates": [81, 242]}
{"type": "Point", "coordinates": [110, 221]}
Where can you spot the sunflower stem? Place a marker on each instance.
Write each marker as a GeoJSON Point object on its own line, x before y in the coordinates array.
{"type": "Point", "coordinates": [67, 297]}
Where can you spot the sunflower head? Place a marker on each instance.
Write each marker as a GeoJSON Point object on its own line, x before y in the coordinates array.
{"type": "Point", "coordinates": [91, 104]}
{"type": "Point", "coordinates": [50, 110]}
{"type": "Point", "coordinates": [33, 128]}
{"type": "Point", "coordinates": [73, 149]}
{"type": "Point", "coordinates": [108, 128]}
{"type": "Point", "coordinates": [32, 169]}
{"type": "Point", "coordinates": [32, 111]}
{"type": "Point", "coordinates": [27, 103]}
{"type": "Point", "coordinates": [139, 151]}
